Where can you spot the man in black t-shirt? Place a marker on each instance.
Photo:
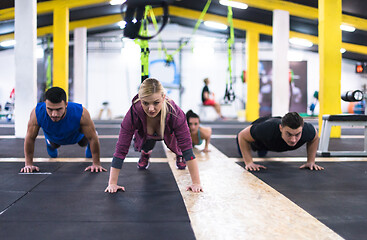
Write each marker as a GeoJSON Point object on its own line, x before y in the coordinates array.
{"type": "Point", "coordinates": [278, 134]}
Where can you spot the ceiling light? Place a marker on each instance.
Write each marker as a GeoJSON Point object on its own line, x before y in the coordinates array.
{"type": "Point", "coordinates": [301, 42]}
{"type": "Point", "coordinates": [343, 50]}
{"type": "Point", "coordinates": [233, 4]}
{"type": "Point", "coordinates": [216, 25]}
{"type": "Point", "coordinates": [7, 43]}
{"type": "Point", "coordinates": [117, 2]}
{"type": "Point", "coordinates": [347, 28]}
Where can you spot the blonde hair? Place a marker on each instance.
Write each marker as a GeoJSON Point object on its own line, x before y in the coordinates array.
{"type": "Point", "coordinates": [206, 80]}
{"type": "Point", "coordinates": [151, 86]}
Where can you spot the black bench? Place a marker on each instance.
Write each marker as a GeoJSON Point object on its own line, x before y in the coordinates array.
{"type": "Point", "coordinates": [341, 120]}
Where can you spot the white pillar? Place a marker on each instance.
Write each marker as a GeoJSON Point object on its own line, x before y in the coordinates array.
{"type": "Point", "coordinates": [280, 91]}
{"type": "Point", "coordinates": [80, 66]}
{"type": "Point", "coordinates": [25, 63]}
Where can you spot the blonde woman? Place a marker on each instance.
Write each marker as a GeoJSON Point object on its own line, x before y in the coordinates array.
{"type": "Point", "coordinates": [153, 117]}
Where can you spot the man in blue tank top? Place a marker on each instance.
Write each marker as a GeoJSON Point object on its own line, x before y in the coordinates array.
{"type": "Point", "coordinates": [62, 123]}
{"type": "Point", "coordinates": [278, 134]}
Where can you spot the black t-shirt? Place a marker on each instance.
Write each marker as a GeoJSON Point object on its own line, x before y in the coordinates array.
{"type": "Point", "coordinates": [205, 89]}
{"type": "Point", "coordinates": [267, 135]}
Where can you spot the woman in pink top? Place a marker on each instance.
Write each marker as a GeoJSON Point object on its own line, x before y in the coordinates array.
{"type": "Point", "coordinates": [153, 117]}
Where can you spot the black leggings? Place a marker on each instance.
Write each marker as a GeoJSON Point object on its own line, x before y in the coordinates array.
{"type": "Point", "coordinates": [82, 143]}
{"type": "Point", "coordinates": [148, 145]}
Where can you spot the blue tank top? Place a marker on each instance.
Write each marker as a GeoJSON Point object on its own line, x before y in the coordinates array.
{"type": "Point", "coordinates": [199, 138]}
{"type": "Point", "coordinates": [67, 130]}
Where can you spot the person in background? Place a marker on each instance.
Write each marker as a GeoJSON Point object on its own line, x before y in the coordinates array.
{"type": "Point", "coordinates": [153, 117]}
{"type": "Point", "coordinates": [62, 123]}
{"type": "Point", "coordinates": [198, 133]}
{"type": "Point", "coordinates": [207, 98]}
{"type": "Point", "coordinates": [278, 134]}
{"type": "Point", "coordinates": [105, 108]}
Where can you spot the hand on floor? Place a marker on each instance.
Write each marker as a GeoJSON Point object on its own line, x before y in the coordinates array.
{"type": "Point", "coordinates": [254, 167]}
{"type": "Point", "coordinates": [95, 168]}
{"type": "Point", "coordinates": [195, 188]}
{"type": "Point", "coordinates": [29, 169]}
{"type": "Point", "coordinates": [112, 188]}
{"type": "Point", "coordinates": [312, 166]}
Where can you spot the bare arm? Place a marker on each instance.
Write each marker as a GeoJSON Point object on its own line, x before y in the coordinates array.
{"type": "Point", "coordinates": [29, 142]}
{"type": "Point", "coordinates": [89, 131]}
{"type": "Point", "coordinates": [311, 154]}
{"type": "Point", "coordinates": [206, 95]}
{"type": "Point", "coordinates": [195, 178]}
{"type": "Point", "coordinates": [244, 141]}
{"type": "Point", "coordinates": [112, 183]}
{"type": "Point", "coordinates": [206, 133]}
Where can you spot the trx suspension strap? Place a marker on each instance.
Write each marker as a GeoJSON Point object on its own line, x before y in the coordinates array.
{"type": "Point", "coordinates": [48, 68]}
{"type": "Point", "coordinates": [144, 46]}
{"type": "Point", "coordinates": [169, 57]}
{"type": "Point", "coordinates": [229, 95]}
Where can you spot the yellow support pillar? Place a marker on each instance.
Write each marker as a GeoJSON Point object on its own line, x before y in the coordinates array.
{"type": "Point", "coordinates": [252, 75]}
{"type": "Point", "coordinates": [61, 46]}
{"type": "Point", "coordinates": [330, 39]}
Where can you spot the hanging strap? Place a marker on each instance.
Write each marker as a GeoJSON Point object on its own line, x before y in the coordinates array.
{"type": "Point", "coordinates": [144, 45]}
{"type": "Point", "coordinates": [49, 67]}
{"type": "Point", "coordinates": [229, 93]}
{"type": "Point", "coordinates": [169, 57]}
{"type": "Point", "coordinates": [230, 42]}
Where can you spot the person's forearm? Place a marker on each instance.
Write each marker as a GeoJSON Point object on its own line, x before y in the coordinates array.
{"type": "Point", "coordinates": [95, 150]}
{"type": "Point", "coordinates": [194, 171]}
{"type": "Point", "coordinates": [114, 175]}
{"type": "Point", "coordinates": [311, 151]}
{"type": "Point", "coordinates": [246, 151]}
{"type": "Point", "coordinates": [29, 151]}
{"type": "Point", "coordinates": [207, 144]}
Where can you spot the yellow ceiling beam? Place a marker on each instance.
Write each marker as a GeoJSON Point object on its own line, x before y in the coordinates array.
{"type": "Point", "coordinates": [193, 15]}
{"type": "Point", "coordinates": [47, 7]}
{"type": "Point", "coordinates": [260, 28]}
{"type": "Point", "coordinates": [89, 23]}
{"type": "Point", "coordinates": [5, 37]}
{"type": "Point", "coordinates": [270, 5]}
{"type": "Point", "coordinates": [355, 48]}
{"type": "Point", "coordinates": [303, 11]}
{"type": "Point", "coordinates": [293, 8]}
{"type": "Point", "coordinates": [238, 24]}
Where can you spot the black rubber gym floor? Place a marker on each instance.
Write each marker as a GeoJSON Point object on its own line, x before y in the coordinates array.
{"type": "Point", "coordinates": [67, 203]}
{"type": "Point", "coordinates": [14, 148]}
{"type": "Point", "coordinates": [336, 196]}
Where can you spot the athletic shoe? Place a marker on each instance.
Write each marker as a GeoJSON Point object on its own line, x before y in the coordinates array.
{"type": "Point", "coordinates": [180, 163]}
{"type": "Point", "coordinates": [88, 153]}
{"type": "Point", "coordinates": [144, 160]}
{"type": "Point", "coordinates": [262, 153]}
{"type": "Point", "coordinates": [52, 152]}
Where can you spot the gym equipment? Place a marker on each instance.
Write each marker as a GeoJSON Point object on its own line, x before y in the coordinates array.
{"type": "Point", "coordinates": [144, 45]}
{"type": "Point", "coordinates": [348, 120]}
{"type": "Point", "coordinates": [352, 96]}
{"type": "Point", "coordinates": [314, 102]}
{"type": "Point", "coordinates": [134, 13]}
{"type": "Point", "coordinates": [229, 95]}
